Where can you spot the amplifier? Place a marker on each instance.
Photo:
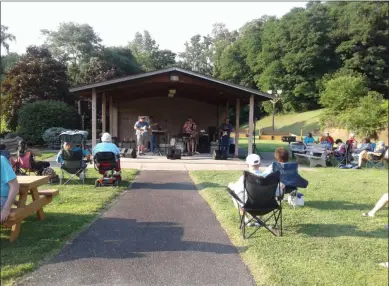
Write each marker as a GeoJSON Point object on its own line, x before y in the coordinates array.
{"type": "Point", "coordinates": [203, 139]}
{"type": "Point", "coordinates": [204, 148]}
{"type": "Point", "coordinates": [217, 155]}
{"type": "Point", "coordinates": [173, 153]}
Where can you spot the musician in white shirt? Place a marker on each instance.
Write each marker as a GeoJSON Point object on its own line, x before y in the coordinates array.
{"type": "Point", "coordinates": [141, 127]}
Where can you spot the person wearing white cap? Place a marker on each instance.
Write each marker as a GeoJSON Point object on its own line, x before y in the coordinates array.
{"type": "Point", "coordinates": [106, 145]}
{"type": "Point", "coordinates": [253, 161]}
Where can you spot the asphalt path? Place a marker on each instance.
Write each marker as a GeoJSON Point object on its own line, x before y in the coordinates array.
{"type": "Point", "coordinates": [161, 232]}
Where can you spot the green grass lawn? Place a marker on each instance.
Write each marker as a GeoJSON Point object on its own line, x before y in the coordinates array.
{"type": "Point", "coordinates": [263, 145]}
{"type": "Point", "coordinates": [45, 155]}
{"type": "Point", "coordinates": [70, 212]}
{"type": "Point", "coordinates": [326, 242]}
{"type": "Point", "coordinates": [308, 121]}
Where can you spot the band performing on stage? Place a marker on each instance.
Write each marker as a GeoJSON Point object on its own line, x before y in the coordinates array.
{"type": "Point", "coordinates": [190, 140]}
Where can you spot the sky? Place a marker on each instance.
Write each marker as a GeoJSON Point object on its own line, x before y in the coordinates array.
{"type": "Point", "coordinates": [171, 24]}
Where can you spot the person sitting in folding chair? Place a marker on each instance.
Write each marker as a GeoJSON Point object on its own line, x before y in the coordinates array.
{"type": "Point", "coordinates": [378, 154]}
{"type": "Point", "coordinates": [253, 161]}
{"type": "Point", "coordinates": [106, 145]}
{"type": "Point", "coordinates": [71, 159]}
{"type": "Point", "coordinates": [258, 197]}
{"type": "Point", "coordinates": [290, 178]}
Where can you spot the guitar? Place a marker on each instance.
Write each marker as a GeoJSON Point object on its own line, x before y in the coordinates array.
{"type": "Point", "coordinates": [142, 130]}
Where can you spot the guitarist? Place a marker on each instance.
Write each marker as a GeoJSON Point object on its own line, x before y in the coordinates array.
{"type": "Point", "coordinates": [141, 127]}
{"type": "Point", "coordinates": [225, 130]}
{"type": "Point", "coordinates": [190, 128]}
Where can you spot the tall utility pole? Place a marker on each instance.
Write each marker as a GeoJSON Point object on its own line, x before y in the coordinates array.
{"type": "Point", "coordinates": [274, 101]}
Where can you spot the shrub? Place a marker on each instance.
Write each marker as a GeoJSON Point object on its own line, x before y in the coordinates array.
{"type": "Point", "coordinates": [52, 134]}
{"type": "Point", "coordinates": [35, 118]}
{"type": "Point", "coordinates": [369, 117]}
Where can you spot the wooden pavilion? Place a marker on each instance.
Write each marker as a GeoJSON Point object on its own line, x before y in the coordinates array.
{"type": "Point", "coordinates": [170, 96]}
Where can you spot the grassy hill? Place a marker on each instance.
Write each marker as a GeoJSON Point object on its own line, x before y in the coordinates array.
{"type": "Point", "coordinates": [308, 121]}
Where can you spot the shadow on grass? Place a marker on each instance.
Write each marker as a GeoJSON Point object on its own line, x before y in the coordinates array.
{"type": "Point", "coordinates": [337, 230]}
{"type": "Point", "coordinates": [207, 185]}
{"type": "Point", "coordinates": [337, 205]}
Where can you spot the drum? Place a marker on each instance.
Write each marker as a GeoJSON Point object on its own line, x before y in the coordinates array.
{"type": "Point", "coordinates": [180, 146]}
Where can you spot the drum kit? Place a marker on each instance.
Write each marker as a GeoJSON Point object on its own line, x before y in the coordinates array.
{"type": "Point", "coordinates": [180, 142]}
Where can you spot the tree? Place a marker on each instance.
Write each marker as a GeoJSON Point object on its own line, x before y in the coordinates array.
{"type": "Point", "coordinates": [148, 54]}
{"type": "Point", "coordinates": [197, 56]}
{"type": "Point", "coordinates": [369, 117]}
{"type": "Point", "coordinates": [361, 39]}
{"type": "Point", "coordinates": [97, 70]}
{"type": "Point", "coordinates": [121, 57]}
{"type": "Point", "coordinates": [73, 44]}
{"type": "Point", "coordinates": [36, 76]}
{"type": "Point", "coordinates": [7, 62]}
{"type": "Point", "coordinates": [6, 37]}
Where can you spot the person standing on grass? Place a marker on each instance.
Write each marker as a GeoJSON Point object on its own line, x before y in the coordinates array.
{"type": "Point", "coordinates": [9, 188]}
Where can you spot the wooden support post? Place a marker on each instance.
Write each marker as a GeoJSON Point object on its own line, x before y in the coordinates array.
{"type": "Point", "coordinates": [251, 124]}
{"type": "Point", "coordinates": [94, 118]}
{"type": "Point", "coordinates": [79, 107]}
{"type": "Point", "coordinates": [227, 115]}
{"type": "Point", "coordinates": [104, 113]}
{"type": "Point", "coordinates": [110, 115]}
{"type": "Point", "coordinates": [237, 115]}
{"type": "Point", "coordinates": [115, 121]}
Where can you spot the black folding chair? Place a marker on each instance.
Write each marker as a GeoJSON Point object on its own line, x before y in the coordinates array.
{"type": "Point", "coordinates": [73, 165]}
{"type": "Point", "coordinates": [261, 204]}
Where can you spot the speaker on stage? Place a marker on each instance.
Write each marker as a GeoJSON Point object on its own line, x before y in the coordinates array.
{"type": "Point", "coordinates": [218, 155]}
{"type": "Point", "coordinates": [124, 152]}
{"type": "Point", "coordinates": [173, 153]}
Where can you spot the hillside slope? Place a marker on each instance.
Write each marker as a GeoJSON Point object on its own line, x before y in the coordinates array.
{"type": "Point", "coordinates": [307, 121]}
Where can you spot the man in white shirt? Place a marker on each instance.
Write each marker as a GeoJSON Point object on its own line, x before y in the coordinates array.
{"type": "Point", "coordinates": [253, 161]}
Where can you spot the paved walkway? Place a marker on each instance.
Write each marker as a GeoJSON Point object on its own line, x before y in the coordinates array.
{"type": "Point", "coordinates": [161, 232]}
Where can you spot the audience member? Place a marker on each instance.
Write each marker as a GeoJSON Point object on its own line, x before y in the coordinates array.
{"type": "Point", "coordinates": [376, 155]}
{"type": "Point", "coordinates": [328, 138]}
{"type": "Point", "coordinates": [364, 146]}
{"type": "Point", "coordinates": [379, 205]}
{"type": "Point", "coordinates": [9, 188]}
{"type": "Point", "coordinates": [341, 148]}
{"type": "Point", "coordinates": [352, 142]}
{"type": "Point", "coordinates": [308, 139]}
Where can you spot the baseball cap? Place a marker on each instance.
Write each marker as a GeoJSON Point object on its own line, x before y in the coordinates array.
{"type": "Point", "coordinates": [253, 160]}
{"type": "Point", "coordinates": [106, 137]}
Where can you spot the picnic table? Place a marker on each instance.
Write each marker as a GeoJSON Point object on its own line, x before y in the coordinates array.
{"type": "Point", "coordinates": [28, 185]}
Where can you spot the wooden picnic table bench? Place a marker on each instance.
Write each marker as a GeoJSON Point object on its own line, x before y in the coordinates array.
{"type": "Point", "coordinates": [315, 153]}
{"type": "Point", "coordinates": [28, 185]}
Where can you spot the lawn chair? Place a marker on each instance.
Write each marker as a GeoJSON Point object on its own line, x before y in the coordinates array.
{"type": "Point", "coordinates": [261, 201]}
{"type": "Point", "coordinates": [290, 178]}
{"type": "Point", "coordinates": [73, 165]}
{"type": "Point", "coordinates": [377, 162]}
{"type": "Point", "coordinates": [342, 160]}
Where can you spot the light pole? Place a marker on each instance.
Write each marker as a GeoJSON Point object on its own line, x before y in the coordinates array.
{"type": "Point", "coordinates": [275, 100]}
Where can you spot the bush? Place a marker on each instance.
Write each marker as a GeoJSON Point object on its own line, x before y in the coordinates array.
{"type": "Point", "coordinates": [52, 134]}
{"type": "Point", "coordinates": [35, 118]}
{"type": "Point", "coordinates": [369, 117]}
